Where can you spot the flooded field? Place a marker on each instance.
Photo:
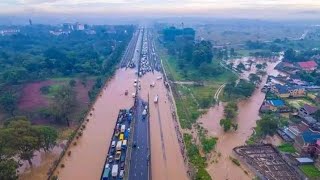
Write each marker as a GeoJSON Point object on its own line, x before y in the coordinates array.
{"type": "Point", "coordinates": [88, 155]}
{"type": "Point", "coordinates": [248, 113]}
{"type": "Point", "coordinates": [166, 158]}
{"type": "Point", "coordinates": [41, 162]}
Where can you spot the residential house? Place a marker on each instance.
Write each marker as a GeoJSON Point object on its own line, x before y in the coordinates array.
{"type": "Point", "coordinates": [275, 105]}
{"type": "Point", "coordinates": [307, 110]}
{"type": "Point", "coordinates": [308, 65]}
{"type": "Point", "coordinates": [297, 91]}
{"type": "Point", "coordinates": [285, 91]}
{"type": "Point", "coordinates": [291, 132]}
{"type": "Point", "coordinates": [306, 142]}
{"type": "Point", "coordinates": [280, 90]}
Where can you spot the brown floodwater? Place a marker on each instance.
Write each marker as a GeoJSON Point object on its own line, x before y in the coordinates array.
{"type": "Point", "coordinates": [166, 158]}
{"type": "Point", "coordinates": [248, 113]}
{"type": "Point", "coordinates": [41, 162]}
{"type": "Point", "coordinates": [88, 155]}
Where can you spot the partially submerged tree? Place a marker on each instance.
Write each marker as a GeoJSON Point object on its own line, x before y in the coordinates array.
{"type": "Point", "coordinates": [254, 78]}
{"type": "Point", "coordinates": [63, 103]}
{"type": "Point", "coordinates": [47, 137]}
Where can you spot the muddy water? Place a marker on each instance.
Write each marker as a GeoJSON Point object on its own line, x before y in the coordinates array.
{"type": "Point", "coordinates": [247, 115]}
{"type": "Point", "coordinates": [41, 162]}
{"type": "Point", "coordinates": [88, 155]}
{"type": "Point", "coordinates": [166, 158]}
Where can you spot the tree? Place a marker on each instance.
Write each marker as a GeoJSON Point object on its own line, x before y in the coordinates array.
{"type": "Point", "coordinates": [259, 66]}
{"type": "Point", "coordinates": [47, 136]}
{"type": "Point", "coordinates": [244, 88]}
{"type": "Point", "coordinates": [64, 102]}
{"type": "Point", "coordinates": [8, 169]}
{"type": "Point", "coordinates": [255, 79]}
{"type": "Point", "coordinates": [230, 110]}
{"type": "Point", "coordinates": [241, 67]}
{"type": "Point", "coordinates": [290, 55]}
{"type": "Point", "coordinates": [8, 102]}
{"type": "Point", "coordinates": [226, 124]}
{"type": "Point", "coordinates": [23, 139]}
{"type": "Point", "coordinates": [72, 83]}
{"type": "Point", "coordinates": [232, 52]}
{"type": "Point", "coordinates": [267, 125]}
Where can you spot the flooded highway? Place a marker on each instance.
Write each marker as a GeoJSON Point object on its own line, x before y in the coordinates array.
{"type": "Point", "coordinates": [88, 155]}
{"type": "Point", "coordinates": [166, 158]}
{"type": "Point", "coordinates": [248, 113]}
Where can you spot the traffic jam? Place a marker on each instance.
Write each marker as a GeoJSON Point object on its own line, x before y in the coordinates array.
{"type": "Point", "coordinates": [114, 167]}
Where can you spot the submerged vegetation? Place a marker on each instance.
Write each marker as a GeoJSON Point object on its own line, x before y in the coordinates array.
{"type": "Point", "coordinates": [18, 138]}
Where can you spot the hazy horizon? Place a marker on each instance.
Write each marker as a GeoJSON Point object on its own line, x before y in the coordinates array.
{"type": "Point", "coordinates": [56, 11]}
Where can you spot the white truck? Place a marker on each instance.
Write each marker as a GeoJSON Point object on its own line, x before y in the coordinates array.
{"type": "Point", "coordinates": [114, 171]}
{"type": "Point", "coordinates": [144, 112]}
{"type": "Point", "coordinates": [113, 144]}
{"type": "Point", "coordinates": [119, 144]}
{"type": "Point", "coordinates": [123, 128]}
{"type": "Point", "coordinates": [156, 98]}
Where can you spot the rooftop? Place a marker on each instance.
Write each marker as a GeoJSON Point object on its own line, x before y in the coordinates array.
{"type": "Point", "coordinates": [309, 108]}
{"type": "Point", "coordinates": [310, 137]}
{"type": "Point", "coordinates": [308, 65]}
{"type": "Point", "coordinates": [304, 160]}
{"type": "Point", "coordinates": [276, 102]}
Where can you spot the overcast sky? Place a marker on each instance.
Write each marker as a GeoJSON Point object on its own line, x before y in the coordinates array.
{"type": "Point", "coordinates": [225, 8]}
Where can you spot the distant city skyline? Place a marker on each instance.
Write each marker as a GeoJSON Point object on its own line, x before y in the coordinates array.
{"type": "Point", "coordinates": [220, 8]}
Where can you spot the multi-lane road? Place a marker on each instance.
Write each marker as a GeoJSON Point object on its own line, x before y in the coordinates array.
{"type": "Point", "coordinates": [140, 154]}
{"type": "Point", "coordinates": [155, 150]}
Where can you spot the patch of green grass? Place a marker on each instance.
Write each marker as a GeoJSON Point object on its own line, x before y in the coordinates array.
{"type": "Point", "coordinates": [52, 89]}
{"type": "Point", "coordinates": [202, 174]}
{"type": "Point", "coordinates": [187, 107]}
{"type": "Point", "coordinates": [298, 103]}
{"type": "Point", "coordinates": [247, 52]}
{"type": "Point", "coordinates": [287, 147]}
{"type": "Point", "coordinates": [196, 159]}
{"type": "Point", "coordinates": [193, 152]}
{"type": "Point", "coordinates": [310, 170]}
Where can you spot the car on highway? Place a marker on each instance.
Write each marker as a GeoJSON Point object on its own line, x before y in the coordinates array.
{"type": "Point", "coordinates": [106, 172]}
{"type": "Point", "coordinates": [113, 144]}
{"type": "Point", "coordinates": [110, 159]}
{"type": "Point", "coordinates": [122, 165]}
{"type": "Point", "coordinates": [121, 137]}
{"type": "Point", "coordinates": [118, 155]}
{"type": "Point", "coordinates": [124, 144]}
{"type": "Point", "coordinates": [121, 174]}
{"type": "Point", "coordinates": [112, 150]}
{"type": "Point", "coordinates": [123, 157]}
{"type": "Point", "coordinates": [115, 169]}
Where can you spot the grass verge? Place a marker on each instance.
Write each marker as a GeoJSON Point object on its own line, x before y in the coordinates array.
{"type": "Point", "coordinates": [286, 147]}
{"type": "Point", "coordinates": [311, 171]}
